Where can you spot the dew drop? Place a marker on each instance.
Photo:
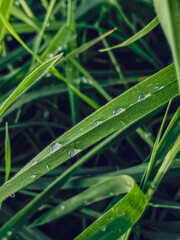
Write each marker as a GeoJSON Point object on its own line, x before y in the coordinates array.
{"type": "Point", "coordinates": [50, 55]}
{"type": "Point", "coordinates": [47, 24]}
{"type": "Point", "coordinates": [48, 74]}
{"type": "Point", "coordinates": [9, 233]}
{"type": "Point", "coordinates": [120, 214]}
{"type": "Point", "coordinates": [63, 207]}
{"type": "Point", "coordinates": [159, 87]}
{"type": "Point", "coordinates": [4, 238]}
{"type": "Point", "coordinates": [9, 38]}
{"type": "Point", "coordinates": [118, 111]}
{"type": "Point", "coordinates": [86, 202]}
{"type": "Point", "coordinates": [103, 228]}
{"type": "Point", "coordinates": [33, 176]}
{"type": "Point", "coordinates": [96, 123]}
{"type": "Point", "coordinates": [47, 167]}
{"type": "Point", "coordinates": [16, 3]}
{"type": "Point", "coordinates": [59, 48]}
{"type": "Point", "coordinates": [55, 147]}
{"type": "Point", "coordinates": [128, 183]}
{"type": "Point", "coordinates": [120, 229]}
{"type": "Point", "coordinates": [111, 194]}
{"type": "Point", "coordinates": [34, 163]}
{"type": "Point", "coordinates": [143, 96]}
{"type": "Point", "coordinates": [152, 186]}
{"type": "Point", "coordinates": [72, 152]}
{"type": "Point", "coordinates": [12, 195]}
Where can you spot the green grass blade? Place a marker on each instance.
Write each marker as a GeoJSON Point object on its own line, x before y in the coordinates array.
{"type": "Point", "coordinates": [155, 149]}
{"type": "Point", "coordinates": [120, 113]}
{"type": "Point", "coordinates": [148, 28]}
{"type": "Point", "coordinates": [123, 215]}
{"type": "Point", "coordinates": [28, 81]}
{"type": "Point", "coordinates": [5, 7]}
{"type": "Point", "coordinates": [7, 154]}
{"type": "Point", "coordinates": [168, 13]}
{"type": "Point", "coordinates": [109, 188]}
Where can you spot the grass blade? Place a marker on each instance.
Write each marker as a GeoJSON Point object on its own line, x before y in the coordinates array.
{"type": "Point", "coordinates": [168, 13]}
{"type": "Point", "coordinates": [5, 7]}
{"type": "Point", "coordinates": [109, 188]}
{"type": "Point", "coordinates": [148, 28]}
{"type": "Point", "coordinates": [123, 215]}
{"type": "Point", "coordinates": [7, 154]}
{"type": "Point", "coordinates": [28, 81]}
{"type": "Point", "coordinates": [120, 113]}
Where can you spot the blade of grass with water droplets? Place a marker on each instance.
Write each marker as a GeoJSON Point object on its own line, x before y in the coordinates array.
{"type": "Point", "coordinates": [120, 217]}
{"type": "Point", "coordinates": [120, 113]}
{"type": "Point", "coordinates": [105, 189]}
{"type": "Point", "coordinates": [7, 154]}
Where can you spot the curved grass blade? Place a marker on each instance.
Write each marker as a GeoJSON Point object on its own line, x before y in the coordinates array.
{"type": "Point", "coordinates": [28, 81]}
{"type": "Point", "coordinates": [148, 28]}
{"type": "Point", "coordinates": [123, 215]}
{"type": "Point", "coordinates": [5, 7]}
{"type": "Point", "coordinates": [120, 113]}
{"type": "Point", "coordinates": [109, 188]}
{"type": "Point", "coordinates": [168, 12]}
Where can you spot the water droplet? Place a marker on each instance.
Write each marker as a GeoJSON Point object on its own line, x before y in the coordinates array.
{"type": "Point", "coordinates": [55, 147]}
{"type": "Point", "coordinates": [86, 202]}
{"type": "Point", "coordinates": [46, 114]}
{"type": "Point", "coordinates": [34, 163]}
{"type": "Point", "coordinates": [81, 129]}
{"type": "Point", "coordinates": [96, 123]}
{"type": "Point", "coordinates": [59, 48]}
{"type": "Point", "coordinates": [9, 38]}
{"type": "Point", "coordinates": [72, 152]}
{"type": "Point", "coordinates": [103, 228]}
{"type": "Point", "coordinates": [47, 167]}
{"type": "Point", "coordinates": [4, 238]}
{"type": "Point", "coordinates": [63, 207]}
{"type": "Point", "coordinates": [120, 229]}
{"type": "Point", "coordinates": [48, 56]}
{"type": "Point", "coordinates": [152, 186]}
{"type": "Point", "coordinates": [12, 195]}
{"type": "Point", "coordinates": [33, 176]}
{"type": "Point", "coordinates": [47, 24]}
{"type": "Point", "coordinates": [111, 194]}
{"type": "Point", "coordinates": [84, 80]}
{"type": "Point", "coordinates": [143, 96]}
{"type": "Point", "coordinates": [120, 214]}
{"type": "Point", "coordinates": [159, 87]}
{"type": "Point", "coordinates": [118, 111]}
{"type": "Point", "coordinates": [16, 3]}
{"type": "Point", "coordinates": [112, 209]}
{"type": "Point", "coordinates": [48, 74]}
{"type": "Point", "coordinates": [9, 233]}
{"type": "Point", "coordinates": [128, 183]}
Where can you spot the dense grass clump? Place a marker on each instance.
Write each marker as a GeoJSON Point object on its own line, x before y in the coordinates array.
{"type": "Point", "coordinates": [90, 119]}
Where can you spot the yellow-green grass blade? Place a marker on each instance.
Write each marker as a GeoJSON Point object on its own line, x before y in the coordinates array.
{"type": "Point", "coordinates": [148, 28]}
{"type": "Point", "coordinates": [120, 217]}
{"type": "Point", "coordinates": [5, 7]}
{"type": "Point", "coordinates": [7, 154]}
{"type": "Point", "coordinates": [168, 13]}
{"type": "Point", "coordinates": [28, 82]}
{"type": "Point", "coordinates": [120, 113]}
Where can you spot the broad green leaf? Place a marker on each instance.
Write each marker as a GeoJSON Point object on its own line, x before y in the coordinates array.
{"type": "Point", "coordinates": [148, 28]}
{"type": "Point", "coordinates": [28, 81]}
{"type": "Point", "coordinates": [168, 12]}
{"type": "Point", "coordinates": [123, 215]}
{"type": "Point", "coordinates": [120, 113]}
{"type": "Point", "coordinates": [128, 210]}
{"type": "Point", "coordinates": [5, 7]}
{"type": "Point", "coordinates": [7, 154]}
